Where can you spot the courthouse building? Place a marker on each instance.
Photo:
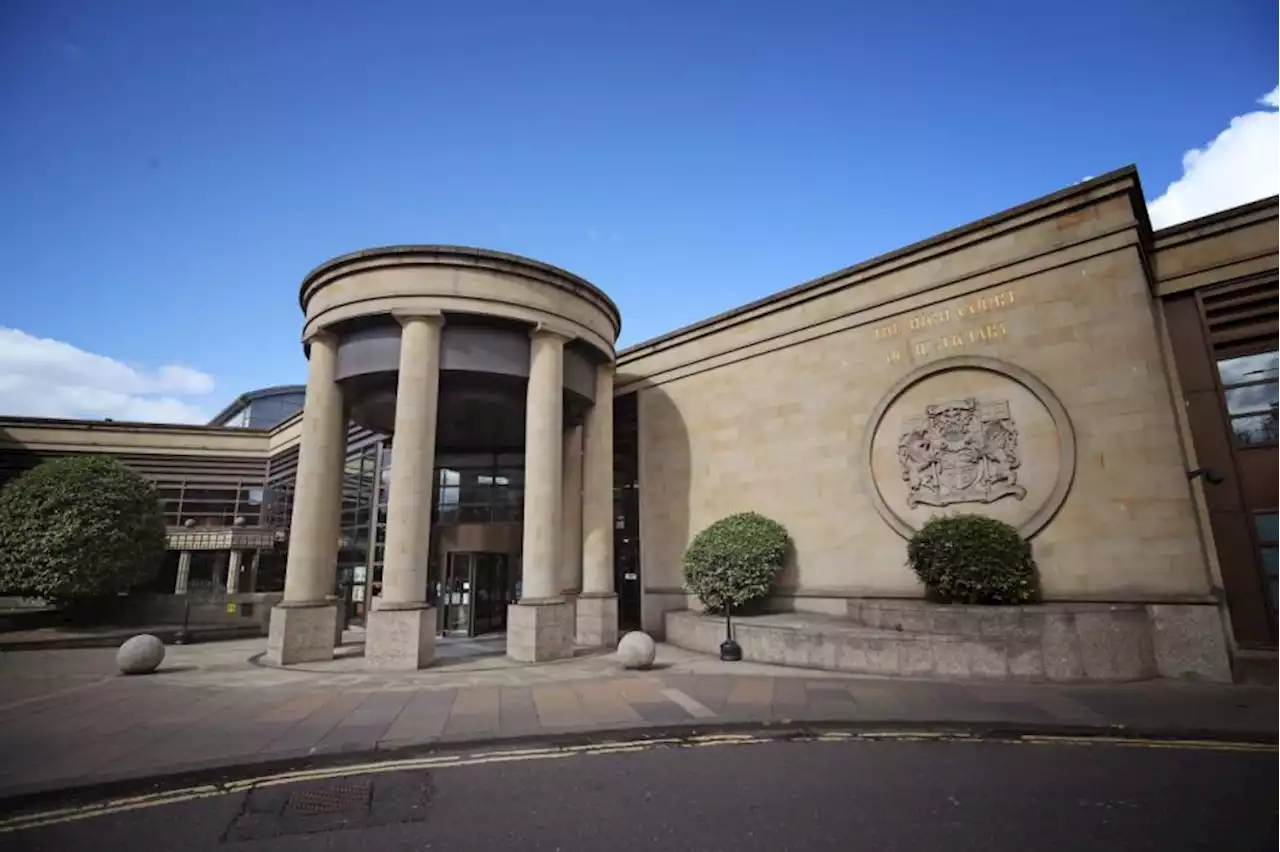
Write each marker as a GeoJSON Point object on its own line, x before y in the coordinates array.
{"type": "Point", "coordinates": [475, 456]}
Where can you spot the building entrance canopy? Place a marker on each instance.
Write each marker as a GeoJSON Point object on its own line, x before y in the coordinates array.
{"type": "Point", "coordinates": [455, 349]}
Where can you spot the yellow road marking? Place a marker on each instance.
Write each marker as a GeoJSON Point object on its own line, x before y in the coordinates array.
{"type": "Point", "coordinates": [1200, 745]}
{"type": "Point", "coordinates": [203, 791]}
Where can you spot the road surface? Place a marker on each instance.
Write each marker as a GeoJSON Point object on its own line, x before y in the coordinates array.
{"type": "Point", "coordinates": [726, 794]}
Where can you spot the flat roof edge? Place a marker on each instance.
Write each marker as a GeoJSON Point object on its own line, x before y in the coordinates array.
{"type": "Point", "coordinates": [1127, 173]}
{"type": "Point", "coordinates": [1238, 212]}
{"type": "Point", "coordinates": [468, 252]}
{"type": "Point", "coordinates": [10, 421]}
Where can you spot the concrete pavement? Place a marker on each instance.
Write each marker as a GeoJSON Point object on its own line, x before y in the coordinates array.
{"type": "Point", "coordinates": [67, 720]}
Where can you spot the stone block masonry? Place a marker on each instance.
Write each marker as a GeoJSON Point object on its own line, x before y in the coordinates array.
{"type": "Point", "coordinates": [1060, 643]}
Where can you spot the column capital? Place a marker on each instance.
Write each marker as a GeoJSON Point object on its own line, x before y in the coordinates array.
{"type": "Point", "coordinates": [404, 315]}
{"type": "Point", "coordinates": [546, 331]}
{"type": "Point", "coordinates": [320, 335]}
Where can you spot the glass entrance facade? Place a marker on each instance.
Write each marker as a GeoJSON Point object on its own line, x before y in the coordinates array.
{"type": "Point", "coordinates": [476, 591]}
{"type": "Point", "coordinates": [477, 508]}
{"type": "Point", "coordinates": [471, 490]}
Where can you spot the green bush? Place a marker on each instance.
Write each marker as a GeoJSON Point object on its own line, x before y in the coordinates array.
{"type": "Point", "coordinates": [973, 559]}
{"type": "Point", "coordinates": [735, 559]}
{"type": "Point", "coordinates": [79, 528]}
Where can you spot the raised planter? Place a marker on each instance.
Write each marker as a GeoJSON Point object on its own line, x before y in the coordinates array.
{"type": "Point", "coordinates": [206, 609]}
{"type": "Point", "coordinates": [1049, 642]}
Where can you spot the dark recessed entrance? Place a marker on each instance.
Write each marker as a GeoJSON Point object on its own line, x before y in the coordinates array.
{"type": "Point", "coordinates": [477, 590]}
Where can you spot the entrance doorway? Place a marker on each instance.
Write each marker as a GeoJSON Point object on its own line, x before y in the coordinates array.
{"type": "Point", "coordinates": [475, 595]}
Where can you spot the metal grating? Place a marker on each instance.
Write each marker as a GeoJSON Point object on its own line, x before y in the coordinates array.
{"type": "Point", "coordinates": [329, 800]}
{"type": "Point", "coordinates": [1241, 316]}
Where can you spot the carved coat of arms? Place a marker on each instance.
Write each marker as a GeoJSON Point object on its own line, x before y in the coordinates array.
{"type": "Point", "coordinates": [964, 451]}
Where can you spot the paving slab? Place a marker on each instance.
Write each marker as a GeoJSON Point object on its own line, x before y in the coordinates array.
{"type": "Point", "coordinates": [67, 720]}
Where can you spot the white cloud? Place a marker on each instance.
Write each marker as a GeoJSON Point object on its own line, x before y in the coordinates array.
{"type": "Point", "coordinates": [1241, 165]}
{"type": "Point", "coordinates": [49, 378]}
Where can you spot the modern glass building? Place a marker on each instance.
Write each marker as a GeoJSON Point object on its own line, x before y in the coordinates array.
{"type": "Point", "coordinates": [262, 409]}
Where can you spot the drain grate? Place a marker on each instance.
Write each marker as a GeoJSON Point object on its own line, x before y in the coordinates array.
{"type": "Point", "coordinates": [314, 807]}
{"type": "Point", "coordinates": [329, 800]}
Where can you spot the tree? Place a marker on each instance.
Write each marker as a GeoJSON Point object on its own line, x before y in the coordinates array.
{"type": "Point", "coordinates": [973, 559]}
{"type": "Point", "coordinates": [735, 560]}
{"type": "Point", "coordinates": [77, 528]}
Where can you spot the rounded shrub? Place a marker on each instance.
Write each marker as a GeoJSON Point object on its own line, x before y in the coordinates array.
{"type": "Point", "coordinates": [79, 528]}
{"type": "Point", "coordinates": [735, 560]}
{"type": "Point", "coordinates": [973, 559]}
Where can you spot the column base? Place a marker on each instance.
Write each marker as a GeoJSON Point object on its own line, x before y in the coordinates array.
{"type": "Point", "coordinates": [539, 630]}
{"type": "Point", "coordinates": [597, 620]}
{"type": "Point", "coordinates": [400, 637]}
{"type": "Point", "coordinates": [301, 632]}
{"type": "Point", "coordinates": [571, 598]}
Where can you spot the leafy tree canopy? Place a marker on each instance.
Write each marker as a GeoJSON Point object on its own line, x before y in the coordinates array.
{"type": "Point", "coordinates": [79, 527]}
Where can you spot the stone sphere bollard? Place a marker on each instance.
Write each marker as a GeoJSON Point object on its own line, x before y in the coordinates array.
{"type": "Point", "coordinates": [142, 654]}
{"type": "Point", "coordinates": [636, 650]}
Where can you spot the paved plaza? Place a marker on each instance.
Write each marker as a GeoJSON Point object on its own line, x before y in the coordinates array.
{"type": "Point", "coordinates": [67, 719]}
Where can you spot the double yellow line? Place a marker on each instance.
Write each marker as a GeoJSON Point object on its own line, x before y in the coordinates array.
{"type": "Point", "coordinates": [449, 761]}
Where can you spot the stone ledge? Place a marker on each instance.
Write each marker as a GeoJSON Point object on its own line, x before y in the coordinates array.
{"type": "Point", "coordinates": [919, 616]}
{"type": "Point", "coordinates": [1091, 643]}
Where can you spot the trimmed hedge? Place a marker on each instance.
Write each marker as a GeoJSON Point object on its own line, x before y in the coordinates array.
{"type": "Point", "coordinates": [736, 559]}
{"type": "Point", "coordinates": [973, 559]}
{"type": "Point", "coordinates": [78, 528]}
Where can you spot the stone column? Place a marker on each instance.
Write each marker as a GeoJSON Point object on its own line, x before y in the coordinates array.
{"type": "Point", "coordinates": [597, 611]}
{"type": "Point", "coordinates": [539, 626]}
{"type": "Point", "coordinates": [571, 516]}
{"type": "Point", "coordinates": [233, 571]}
{"type": "Point", "coordinates": [184, 573]}
{"type": "Point", "coordinates": [402, 630]}
{"type": "Point", "coordinates": [303, 623]}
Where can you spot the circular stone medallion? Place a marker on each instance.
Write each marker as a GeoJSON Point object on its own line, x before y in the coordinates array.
{"type": "Point", "coordinates": [969, 434]}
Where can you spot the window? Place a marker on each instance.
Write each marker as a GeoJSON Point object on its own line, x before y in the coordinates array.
{"type": "Point", "coordinates": [478, 489]}
{"type": "Point", "coordinates": [238, 420]}
{"type": "Point", "coordinates": [1249, 385]}
{"type": "Point", "coordinates": [212, 504]}
{"type": "Point", "coordinates": [1266, 525]}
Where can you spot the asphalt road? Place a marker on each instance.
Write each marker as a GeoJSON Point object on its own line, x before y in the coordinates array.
{"type": "Point", "coordinates": [778, 795]}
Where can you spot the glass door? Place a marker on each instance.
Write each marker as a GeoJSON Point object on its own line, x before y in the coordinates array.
{"type": "Point", "coordinates": [491, 593]}
{"type": "Point", "coordinates": [456, 597]}
{"type": "Point", "coordinates": [475, 594]}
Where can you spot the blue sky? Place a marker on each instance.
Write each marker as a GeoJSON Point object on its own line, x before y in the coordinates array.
{"type": "Point", "coordinates": [171, 170]}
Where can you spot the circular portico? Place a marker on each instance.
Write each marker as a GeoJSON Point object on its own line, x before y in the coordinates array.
{"type": "Point", "coordinates": [456, 349]}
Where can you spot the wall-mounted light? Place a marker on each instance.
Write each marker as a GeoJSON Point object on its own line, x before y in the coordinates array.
{"type": "Point", "coordinates": [1209, 474]}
